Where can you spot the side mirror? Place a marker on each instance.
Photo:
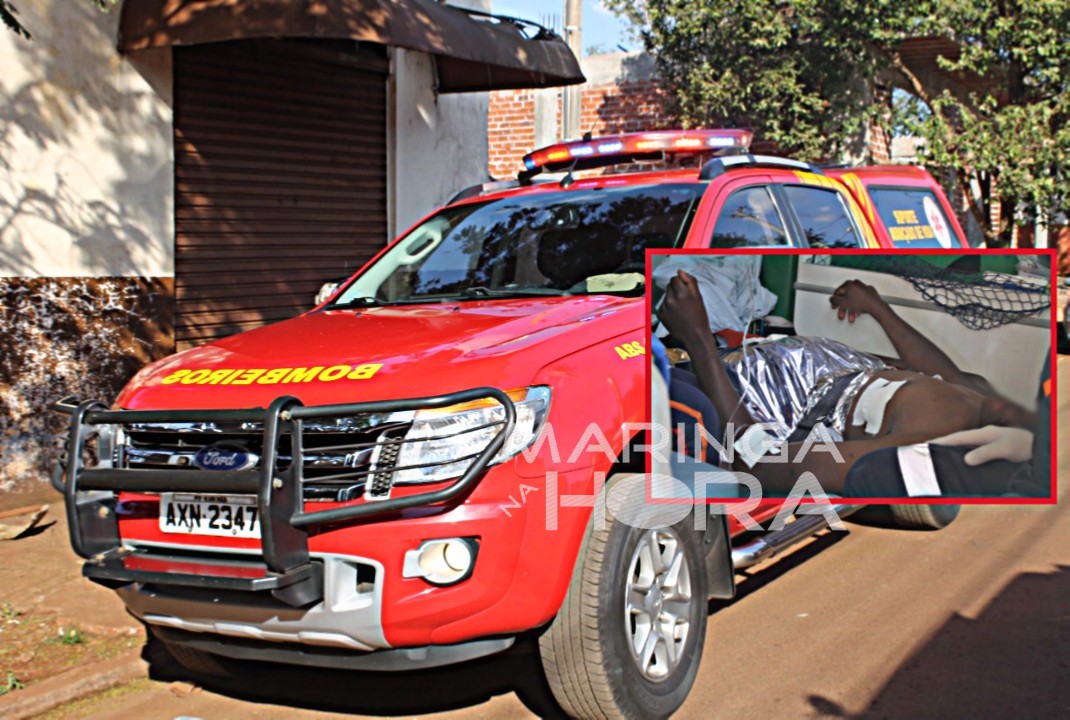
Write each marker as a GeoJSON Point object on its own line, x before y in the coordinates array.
{"type": "Point", "coordinates": [326, 290]}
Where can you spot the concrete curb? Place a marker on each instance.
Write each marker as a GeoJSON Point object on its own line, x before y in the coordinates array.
{"type": "Point", "coordinates": [71, 685]}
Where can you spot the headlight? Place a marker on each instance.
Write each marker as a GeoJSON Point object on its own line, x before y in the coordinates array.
{"type": "Point", "coordinates": [442, 443]}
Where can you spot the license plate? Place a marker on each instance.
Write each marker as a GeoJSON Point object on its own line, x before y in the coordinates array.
{"type": "Point", "coordinates": [224, 515]}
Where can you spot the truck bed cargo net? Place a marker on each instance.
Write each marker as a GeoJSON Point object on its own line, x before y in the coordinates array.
{"type": "Point", "coordinates": [979, 300]}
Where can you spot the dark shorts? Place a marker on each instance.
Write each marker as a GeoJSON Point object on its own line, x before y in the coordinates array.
{"type": "Point", "coordinates": [879, 475]}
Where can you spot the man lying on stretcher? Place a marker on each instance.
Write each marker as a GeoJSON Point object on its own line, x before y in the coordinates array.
{"type": "Point", "coordinates": [869, 407]}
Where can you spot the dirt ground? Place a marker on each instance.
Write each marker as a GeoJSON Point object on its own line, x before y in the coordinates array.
{"type": "Point", "coordinates": [51, 619]}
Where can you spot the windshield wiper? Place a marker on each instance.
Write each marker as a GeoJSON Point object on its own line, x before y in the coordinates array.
{"type": "Point", "coordinates": [483, 291]}
{"type": "Point", "coordinates": [359, 302]}
{"type": "Point", "coordinates": [367, 302]}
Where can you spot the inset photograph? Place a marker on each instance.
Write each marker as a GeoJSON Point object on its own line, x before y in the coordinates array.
{"type": "Point", "coordinates": [863, 376]}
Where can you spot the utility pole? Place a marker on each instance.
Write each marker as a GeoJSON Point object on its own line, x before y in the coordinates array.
{"type": "Point", "coordinates": [570, 96]}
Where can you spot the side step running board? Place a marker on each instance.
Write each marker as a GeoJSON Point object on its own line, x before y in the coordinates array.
{"type": "Point", "coordinates": [775, 542]}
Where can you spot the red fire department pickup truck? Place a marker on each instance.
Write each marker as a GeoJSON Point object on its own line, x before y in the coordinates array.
{"type": "Point", "coordinates": [407, 475]}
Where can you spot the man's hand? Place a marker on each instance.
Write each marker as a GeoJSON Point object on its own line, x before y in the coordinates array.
{"type": "Point", "coordinates": [854, 298]}
{"type": "Point", "coordinates": [992, 442]}
{"type": "Point", "coordinates": [682, 311]}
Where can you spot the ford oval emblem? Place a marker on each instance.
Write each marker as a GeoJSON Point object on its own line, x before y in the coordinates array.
{"type": "Point", "coordinates": [223, 457]}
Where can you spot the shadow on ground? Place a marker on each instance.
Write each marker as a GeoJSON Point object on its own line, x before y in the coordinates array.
{"type": "Point", "coordinates": [387, 694]}
{"type": "Point", "coordinates": [1011, 661]}
{"type": "Point", "coordinates": [426, 691]}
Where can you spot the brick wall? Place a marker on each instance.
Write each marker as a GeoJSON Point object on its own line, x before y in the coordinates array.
{"type": "Point", "coordinates": [1059, 237]}
{"type": "Point", "coordinates": [510, 130]}
{"type": "Point", "coordinates": [621, 95]}
{"type": "Point", "coordinates": [880, 145]}
{"type": "Point", "coordinates": [630, 106]}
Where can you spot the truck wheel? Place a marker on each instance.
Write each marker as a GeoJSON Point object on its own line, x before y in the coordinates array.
{"type": "Point", "coordinates": [924, 517]}
{"type": "Point", "coordinates": [628, 639]}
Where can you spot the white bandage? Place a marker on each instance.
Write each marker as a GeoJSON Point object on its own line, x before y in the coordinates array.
{"type": "Point", "coordinates": [869, 410]}
{"type": "Point", "coordinates": [754, 443]}
{"type": "Point", "coordinates": [919, 473]}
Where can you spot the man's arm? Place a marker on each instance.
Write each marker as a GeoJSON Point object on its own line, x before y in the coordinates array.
{"type": "Point", "coordinates": [685, 316]}
{"type": "Point", "coordinates": [854, 298]}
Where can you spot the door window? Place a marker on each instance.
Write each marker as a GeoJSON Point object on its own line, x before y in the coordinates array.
{"type": "Point", "coordinates": [824, 217]}
{"type": "Point", "coordinates": [749, 218]}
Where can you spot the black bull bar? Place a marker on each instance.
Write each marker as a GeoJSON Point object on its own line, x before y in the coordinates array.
{"type": "Point", "coordinates": [286, 571]}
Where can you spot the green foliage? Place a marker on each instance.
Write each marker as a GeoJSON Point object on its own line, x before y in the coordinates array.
{"type": "Point", "coordinates": [70, 636]}
{"type": "Point", "coordinates": [1008, 136]}
{"type": "Point", "coordinates": [8, 612]}
{"type": "Point", "coordinates": [12, 683]}
{"type": "Point", "coordinates": [809, 74]}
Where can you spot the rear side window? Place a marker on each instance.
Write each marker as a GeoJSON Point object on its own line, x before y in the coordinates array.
{"type": "Point", "coordinates": [749, 218]}
{"type": "Point", "coordinates": [913, 217]}
{"type": "Point", "coordinates": [824, 217]}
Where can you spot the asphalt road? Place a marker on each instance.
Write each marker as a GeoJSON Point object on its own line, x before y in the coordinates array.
{"type": "Point", "coordinates": [971, 621]}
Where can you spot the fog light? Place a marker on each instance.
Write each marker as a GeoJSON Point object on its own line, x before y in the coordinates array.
{"type": "Point", "coordinates": [441, 562]}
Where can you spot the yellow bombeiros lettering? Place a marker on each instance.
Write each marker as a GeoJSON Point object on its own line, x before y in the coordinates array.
{"type": "Point", "coordinates": [248, 376]}
{"type": "Point", "coordinates": [334, 372]}
{"type": "Point", "coordinates": [196, 377]}
{"type": "Point", "coordinates": [303, 374]}
{"type": "Point", "coordinates": [175, 377]}
{"type": "Point", "coordinates": [364, 372]}
{"type": "Point", "coordinates": [273, 376]}
{"type": "Point", "coordinates": [217, 377]}
{"type": "Point", "coordinates": [287, 375]}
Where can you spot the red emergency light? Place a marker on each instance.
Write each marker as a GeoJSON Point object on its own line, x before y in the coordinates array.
{"type": "Point", "coordinates": [630, 147]}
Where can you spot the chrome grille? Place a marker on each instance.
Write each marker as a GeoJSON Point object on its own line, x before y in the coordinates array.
{"type": "Point", "coordinates": [339, 455]}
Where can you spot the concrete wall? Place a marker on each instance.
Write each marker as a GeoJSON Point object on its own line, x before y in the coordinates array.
{"type": "Point", "coordinates": [86, 180]}
{"type": "Point", "coordinates": [438, 143]}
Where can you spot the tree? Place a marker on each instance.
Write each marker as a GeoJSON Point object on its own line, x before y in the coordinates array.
{"type": "Point", "coordinates": [9, 16]}
{"type": "Point", "coordinates": [986, 83]}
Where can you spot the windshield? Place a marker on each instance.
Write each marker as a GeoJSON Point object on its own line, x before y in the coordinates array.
{"type": "Point", "coordinates": [546, 243]}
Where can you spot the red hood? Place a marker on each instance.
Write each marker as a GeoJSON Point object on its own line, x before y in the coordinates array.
{"type": "Point", "coordinates": [422, 349]}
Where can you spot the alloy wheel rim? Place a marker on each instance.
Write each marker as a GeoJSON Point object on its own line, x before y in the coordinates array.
{"type": "Point", "coordinates": [657, 603]}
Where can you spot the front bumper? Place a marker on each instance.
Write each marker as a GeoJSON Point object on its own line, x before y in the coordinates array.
{"type": "Point", "coordinates": [284, 568]}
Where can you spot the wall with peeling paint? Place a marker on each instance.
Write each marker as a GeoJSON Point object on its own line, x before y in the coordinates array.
{"type": "Point", "coordinates": [64, 336]}
{"type": "Point", "coordinates": [86, 228]}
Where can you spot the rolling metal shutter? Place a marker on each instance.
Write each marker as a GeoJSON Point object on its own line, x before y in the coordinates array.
{"type": "Point", "coordinates": [280, 177]}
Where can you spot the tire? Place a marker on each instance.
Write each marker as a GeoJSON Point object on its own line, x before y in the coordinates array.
{"type": "Point", "coordinates": [924, 517]}
{"type": "Point", "coordinates": [624, 578]}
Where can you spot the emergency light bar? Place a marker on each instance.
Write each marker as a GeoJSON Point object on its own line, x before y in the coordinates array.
{"type": "Point", "coordinates": [631, 147]}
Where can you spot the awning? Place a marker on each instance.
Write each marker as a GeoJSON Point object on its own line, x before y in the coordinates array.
{"type": "Point", "coordinates": [473, 51]}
